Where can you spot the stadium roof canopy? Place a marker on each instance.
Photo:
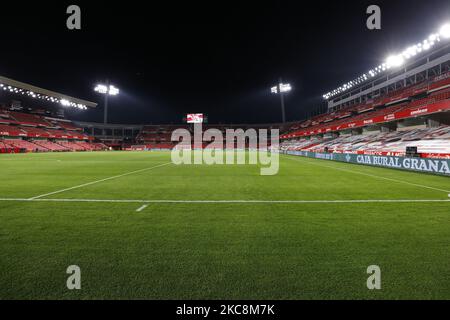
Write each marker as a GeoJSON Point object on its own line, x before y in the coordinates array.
{"type": "Point", "coordinates": [29, 90]}
{"type": "Point", "coordinates": [394, 61]}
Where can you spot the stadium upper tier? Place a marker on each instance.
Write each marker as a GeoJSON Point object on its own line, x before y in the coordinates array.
{"type": "Point", "coordinates": [420, 99]}
{"type": "Point", "coordinates": [19, 124]}
{"type": "Point", "coordinates": [25, 132]}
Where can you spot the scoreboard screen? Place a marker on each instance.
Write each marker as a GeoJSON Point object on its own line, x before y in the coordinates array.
{"type": "Point", "coordinates": [195, 118]}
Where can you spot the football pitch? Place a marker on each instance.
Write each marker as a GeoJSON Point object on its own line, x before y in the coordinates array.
{"type": "Point", "coordinates": [140, 227]}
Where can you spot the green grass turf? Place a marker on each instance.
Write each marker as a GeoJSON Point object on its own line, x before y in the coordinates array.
{"type": "Point", "coordinates": [219, 250]}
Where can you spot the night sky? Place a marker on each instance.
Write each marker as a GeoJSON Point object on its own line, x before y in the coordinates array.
{"type": "Point", "coordinates": [215, 57]}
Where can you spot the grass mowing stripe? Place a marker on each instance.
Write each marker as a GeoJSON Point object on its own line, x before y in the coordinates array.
{"type": "Point", "coordinates": [98, 181]}
{"type": "Point", "coordinates": [370, 175]}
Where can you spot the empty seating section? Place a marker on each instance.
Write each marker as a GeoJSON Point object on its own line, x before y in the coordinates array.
{"type": "Point", "coordinates": [98, 146]}
{"type": "Point", "coordinates": [13, 131]}
{"type": "Point", "coordinates": [58, 133]}
{"type": "Point", "coordinates": [424, 98]}
{"type": "Point", "coordinates": [49, 145]}
{"type": "Point", "coordinates": [18, 132]}
{"type": "Point", "coordinates": [31, 119]}
{"type": "Point", "coordinates": [158, 134]}
{"type": "Point", "coordinates": [430, 142]}
{"type": "Point", "coordinates": [409, 98]}
{"type": "Point", "coordinates": [7, 148]}
{"type": "Point", "coordinates": [159, 137]}
{"type": "Point", "coordinates": [440, 83]}
{"type": "Point", "coordinates": [434, 97]}
{"type": "Point", "coordinates": [27, 121]}
{"type": "Point", "coordinates": [152, 137]}
{"type": "Point", "coordinates": [66, 125]}
{"type": "Point", "coordinates": [71, 146]}
{"type": "Point", "coordinates": [23, 144]}
{"type": "Point", "coordinates": [35, 131]}
{"type": "Point", "coordinates": [91, 146]}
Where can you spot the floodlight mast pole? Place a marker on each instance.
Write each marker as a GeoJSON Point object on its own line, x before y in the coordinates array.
{"type": "Point", "coordinates": [105, 111]}
{"type": "Point", "coordinates": [283, 112]}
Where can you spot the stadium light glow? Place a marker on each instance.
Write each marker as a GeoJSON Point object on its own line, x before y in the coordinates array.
{"type": "Point", "coordinates": [281, 89]}
{"type": "Point", "coordinates": [284, 87]}
{"type": "Point", "coordinates": [65, 103]}
{"type": "Point", "coordinates": [445, 31]}
{"type": "Point", "coordinates": [107, 90]}
{"type": "Point", "coordinates": [394, 61]}
{"type": "Point", "coordinates": [34, 95]}
{"type": "Point", "coordinates": [104, 89]}
{"type": "Point", "coordinates": [113, 91]}
{"type": "Point", "coordinates": [101, 88]}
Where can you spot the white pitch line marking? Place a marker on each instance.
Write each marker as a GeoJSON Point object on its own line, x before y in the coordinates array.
{"type": "Point", "coordinates": [142, 208]}
{"type": "Point", "coordinates": [369, 175]}
{"type": "Point", "coordinates": [98, 181]}
{"type": "Point", "coordinates": [229, 201]}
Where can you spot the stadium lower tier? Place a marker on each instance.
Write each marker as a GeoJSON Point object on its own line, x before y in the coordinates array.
{"type": "Point", "coordinates": [21, 145]}
{"type": "Point", "coordinates": [153, 146]}
{"type": "Point", "coordinates": [430, 143]}
{"type": "Point", "coordinates": [170, 146]}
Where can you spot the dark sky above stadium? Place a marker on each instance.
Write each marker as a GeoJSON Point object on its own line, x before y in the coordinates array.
{"type": "Point", "coordinates": [170, 58]}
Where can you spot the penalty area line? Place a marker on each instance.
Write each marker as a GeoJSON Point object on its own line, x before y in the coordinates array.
{"type": "Point", "coordinates": [147, 202]}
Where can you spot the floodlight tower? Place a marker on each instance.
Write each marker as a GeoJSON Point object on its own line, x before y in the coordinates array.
{"type": "Point", "coordinates": [281, 89]}
{"type": "Point", "coordinates": [107, 90]}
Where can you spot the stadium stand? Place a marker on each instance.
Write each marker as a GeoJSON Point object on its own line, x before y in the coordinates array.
{"type": "Point", "coordinates": [406, 102]}
{"type": "Point", "coordinates": [65, 125]}
{"type": "Point", "coordinates": [154, 146]}
{"type": "Point", "coordinates": [431, 143]}
{"type": "Point", "coordinates": [344, 129]}
{"type": "Point", "coordinates": [6, 148]}
{"type": "Point", "coordinates": [25, 145]}
{"type": "Point", "coordinates": [29, 119]}
{"type": "Point", "coordinates": [339, 130]}
{"type": "Point", "coordinates": [49, 145]}
{"type": "Point", "coordinates": [87, 146]}
{"type": "Point", "coordinates": [35, 132]}
{"type": "Point", "coordinates": [13, 131]}
{"type": "Point", "coordinates": [28, 127]}
{"type": "Point", "coordinates": [73, 146]}
{"type": "Point", "coordinates": [98, 146]}
{"type": "Point", "coordinates": [155, 134]}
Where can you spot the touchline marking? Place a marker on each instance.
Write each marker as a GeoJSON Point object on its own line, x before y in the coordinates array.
{"type": "Point", "coordinates": [142, 208]}
{"type": "Point", "coordinates": [98, 181]}
{"type": "Point", "coordinates": [228, 201]}
{"type": "Point", "coordinates": [369, 175]}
